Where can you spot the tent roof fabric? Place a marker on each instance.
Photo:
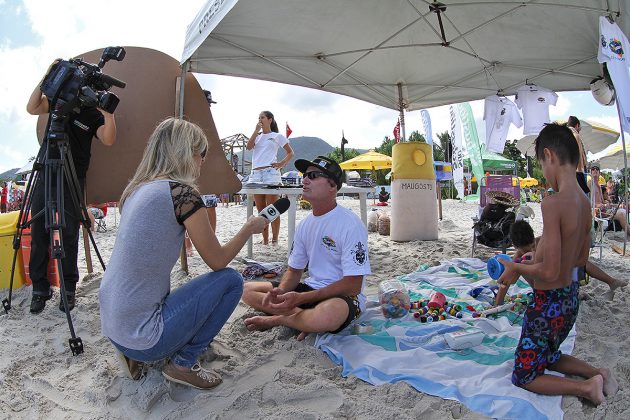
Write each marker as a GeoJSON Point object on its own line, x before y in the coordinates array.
{"type": "Point", "coordinates": [374, 51]}
{"type": "Point", "coordinates": [494, 161]}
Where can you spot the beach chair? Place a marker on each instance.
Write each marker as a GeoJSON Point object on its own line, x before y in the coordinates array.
{"type": "Point", "coordinates": [99, 218]}
{"type": "Point", "coordinates": [604, 222]}
{"type": "Point", "coordinates": [492, 225]}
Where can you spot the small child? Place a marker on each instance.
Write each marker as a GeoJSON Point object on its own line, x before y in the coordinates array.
{"type": "Point", "coordinates": [552, 274]}
{"type": "Point", "coordinates": [522, 237]}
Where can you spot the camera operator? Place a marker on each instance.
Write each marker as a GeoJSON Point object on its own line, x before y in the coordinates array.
{"type": "Point", "coordinates": [80, 129]}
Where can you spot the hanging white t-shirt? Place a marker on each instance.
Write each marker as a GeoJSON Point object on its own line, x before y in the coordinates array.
{"type": "Point", "coordinates": [333, 245]}
{"type": "Point", "coordinates": [266, 149]}
{"type": "Point", "coordinates": [613, 47]}
{"type": "Point", "coordinates": [499, 112]}
{"type": "Point", "coordinates": [534, 101]}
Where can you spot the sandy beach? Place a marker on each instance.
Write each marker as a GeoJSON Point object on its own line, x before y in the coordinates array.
{"type": "Point", "coordinates": [270, 374]}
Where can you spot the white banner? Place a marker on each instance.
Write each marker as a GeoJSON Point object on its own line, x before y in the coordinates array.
{"type": "Point", "coordinates": [426, 122]}
{"type": "Point", "coordinates": [458, 152]}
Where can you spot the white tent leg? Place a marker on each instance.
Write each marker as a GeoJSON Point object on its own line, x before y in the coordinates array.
{"type": "Point", "coordinates": [625, 173]}
{"type": "Point", "coordinates": [182, 86]}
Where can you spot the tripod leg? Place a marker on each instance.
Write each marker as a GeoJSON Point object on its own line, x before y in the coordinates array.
{"type": "Point", "coordinates": [77, 188]}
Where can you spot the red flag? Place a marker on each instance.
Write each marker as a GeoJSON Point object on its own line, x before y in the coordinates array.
{"type": "Point", "coordinates": [397, 131]}
{"type": "Point", "coordinates": [289, 131]}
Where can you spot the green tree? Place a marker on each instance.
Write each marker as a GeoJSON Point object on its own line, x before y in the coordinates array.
{"type": "Point", "coordinates": [442, 149]}
{"type": "Point", "coordinates": [511, 152]}
{"type": "Point", "coordinates": [417, 137]}
{"type": "Point", "coordinates": [386, 146]}
{"type": "Point", "coordinates": [336, 154]}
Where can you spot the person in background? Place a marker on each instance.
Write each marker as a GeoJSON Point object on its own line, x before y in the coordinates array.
{"type": "Point", "coordinates": [574, 125]}
{"type": "Point", "coordinates": [96, 211]}
{"type": "Point", "coordinates": [611, 190]}
{"type": "Point", "coordinates": [144, 319]}
{"type": "Point", "coordinates": [265, 142]}
{"type": "Point", "coordinates": [605, 209]}
{"type": "Point", "coordinates": [383, 196]}
{"type": "Point", "coordinates": [4, 196]}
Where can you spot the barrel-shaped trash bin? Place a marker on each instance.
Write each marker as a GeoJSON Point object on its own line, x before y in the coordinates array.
{"type": "Point", "coordinates": [414, 214]}
{"type": "Point", "coordinates": [8, 227]}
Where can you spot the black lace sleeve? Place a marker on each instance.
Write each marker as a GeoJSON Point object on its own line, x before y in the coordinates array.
{"type": "Point", "coordinates": [186, 201]}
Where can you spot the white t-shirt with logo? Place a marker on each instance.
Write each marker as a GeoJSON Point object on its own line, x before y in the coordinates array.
{"type": "Point", "coordinates": [499, 112]}
{"type": "Point", "coordinates": [333, 245]}
{"type": "Point", "coordinates": [613, 49]}
{"type": "Point", "coordinates": [534, 101]}
{"type": "Point", "coordinates": [266, 149]}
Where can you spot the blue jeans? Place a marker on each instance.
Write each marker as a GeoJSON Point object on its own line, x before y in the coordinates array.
{"type": "Point", "coordinates": [193, 315]}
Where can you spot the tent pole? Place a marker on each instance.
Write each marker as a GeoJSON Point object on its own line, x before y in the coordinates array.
{"type": "Point", "coordinates": [401, 109]}
{"type": "Point", "coordinates": [182, 85]}
{"type": "Point", "coordinates": [625, 173]}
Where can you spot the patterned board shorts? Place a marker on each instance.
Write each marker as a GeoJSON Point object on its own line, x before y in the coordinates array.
{"type": "Point", "coordinates": [547, 322]}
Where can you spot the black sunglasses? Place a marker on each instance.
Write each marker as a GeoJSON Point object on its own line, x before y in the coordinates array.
{"type": "Point", "coordinates": [203, 154]}
{"type": "Point", "coordinates": [315, 174]}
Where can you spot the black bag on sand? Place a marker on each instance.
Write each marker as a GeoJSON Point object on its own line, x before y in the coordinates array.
{"type": "Point", "coordinates": [493, 228]}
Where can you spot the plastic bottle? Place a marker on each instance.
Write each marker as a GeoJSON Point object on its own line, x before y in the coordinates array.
{"type": "Point", "coordinates": [393, 298]}
{"type": "Point", "coordinates": [495, 268]}
{"type": "Point", "coordinates": [372, 224]}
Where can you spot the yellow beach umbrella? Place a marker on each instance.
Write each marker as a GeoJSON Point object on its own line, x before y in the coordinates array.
{"type": "Point", "coordinates": [370, 160]}
{"type": "Point", "coordinates": [529, 182]}
{"type": "Point", "coordinates": [600, 181]}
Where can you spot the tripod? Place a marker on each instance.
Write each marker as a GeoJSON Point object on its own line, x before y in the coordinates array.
{"type": "Point", "coordinates": [55, 158]}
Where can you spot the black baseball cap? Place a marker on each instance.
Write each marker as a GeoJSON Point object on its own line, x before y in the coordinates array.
{"type": "Point", "coordinates": [595, 166]}
{"type": "Point", "coordinates": [326, 165]}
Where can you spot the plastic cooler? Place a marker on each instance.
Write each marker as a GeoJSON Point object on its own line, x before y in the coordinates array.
{"type": "Point", "coordinates": [53, 275]}
{"type": "Point", "coordinates": [8, 222]}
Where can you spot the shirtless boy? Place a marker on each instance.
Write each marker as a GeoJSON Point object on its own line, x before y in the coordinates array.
{"type": "Point", "coordinates": [553, 275]}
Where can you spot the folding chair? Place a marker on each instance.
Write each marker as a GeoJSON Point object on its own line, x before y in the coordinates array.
{"type": "Point", "coordinates": [99, 218]}
{"type": "Point", "coordinates": [604, 222]}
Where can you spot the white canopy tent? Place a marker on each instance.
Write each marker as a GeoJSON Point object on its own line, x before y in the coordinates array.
{"type": "Point", "coordinates": [403, 54]}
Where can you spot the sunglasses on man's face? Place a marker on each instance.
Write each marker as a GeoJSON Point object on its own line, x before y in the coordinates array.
{"type": "Point", "coordinates": [203, 154]}
{"type": "Point", "coordinates": [315, 174]}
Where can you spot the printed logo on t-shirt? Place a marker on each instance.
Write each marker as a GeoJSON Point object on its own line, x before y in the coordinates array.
{"type": "Point", "coordinates": [541, 99]}
{"type": "Point", "coordinates": [359, 254]}
{"type": "Point", "coordinates": [614, 45]}
{"type": "Point", "coordinates": [81, 125]}
{"type": "Point", "coordinates": [329, 243]}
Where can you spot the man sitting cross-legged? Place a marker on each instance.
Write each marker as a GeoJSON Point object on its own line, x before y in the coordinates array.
{"type": "Point", "coordinates": [333, 242]}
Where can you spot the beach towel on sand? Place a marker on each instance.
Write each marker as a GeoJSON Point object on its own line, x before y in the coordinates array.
{"type": "Point", "coordinates": [404, 349]}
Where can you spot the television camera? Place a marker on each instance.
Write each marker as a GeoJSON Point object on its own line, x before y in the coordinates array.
{"type": "Point", "coordinates": [73, 84]}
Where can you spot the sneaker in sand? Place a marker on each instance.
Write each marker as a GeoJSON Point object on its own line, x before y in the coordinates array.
{"type": "Point", "coordinates": [197, 377]}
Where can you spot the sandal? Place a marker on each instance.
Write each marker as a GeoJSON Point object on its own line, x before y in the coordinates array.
{"type": "Point", "coordinates": [133, 369]}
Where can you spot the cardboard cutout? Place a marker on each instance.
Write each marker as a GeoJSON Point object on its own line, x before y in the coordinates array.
{"type": "Point", "coordinates": [149, 97]}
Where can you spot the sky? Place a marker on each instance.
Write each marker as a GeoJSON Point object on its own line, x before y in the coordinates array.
{"type": "Point", "coordinates": [33, 33]}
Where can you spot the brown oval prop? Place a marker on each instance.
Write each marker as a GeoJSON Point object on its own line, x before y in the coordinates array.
{"type": "Point", "coordinates": [149, 97]}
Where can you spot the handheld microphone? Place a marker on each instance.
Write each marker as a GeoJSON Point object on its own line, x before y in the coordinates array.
{"type": "Point", "coordinates": [273, 211]}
